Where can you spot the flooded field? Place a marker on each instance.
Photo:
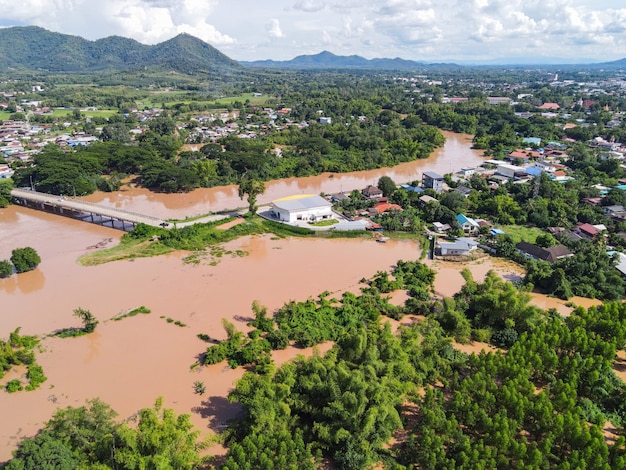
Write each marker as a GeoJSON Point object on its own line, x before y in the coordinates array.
{"type": "Point", "coordinates": [129, 363]}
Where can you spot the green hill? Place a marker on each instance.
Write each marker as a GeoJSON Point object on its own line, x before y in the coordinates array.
{"type": "Point", "coordinates": [35, 48]}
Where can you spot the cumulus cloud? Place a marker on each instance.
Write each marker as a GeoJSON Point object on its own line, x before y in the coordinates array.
{"type": "Point", "coordinates": [273, 28]}
{"type": "Point", "coordinates": [309, 6]}
{"type": "Point", "coordinates": [443, 29]}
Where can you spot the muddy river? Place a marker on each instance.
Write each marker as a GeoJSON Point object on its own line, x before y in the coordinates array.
{"type": "Point", "coordinates": [129, 363]}
{"type": "Point", "coordinates": [454, 155]}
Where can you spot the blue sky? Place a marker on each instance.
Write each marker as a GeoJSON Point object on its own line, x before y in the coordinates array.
{"type": "Point", "coordinates": [504, 31]}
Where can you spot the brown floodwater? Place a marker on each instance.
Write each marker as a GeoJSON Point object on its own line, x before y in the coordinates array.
{"type": "Point", "coordinates": [129, 363]}
{"type": "Point", "coordinates": [454, 155]}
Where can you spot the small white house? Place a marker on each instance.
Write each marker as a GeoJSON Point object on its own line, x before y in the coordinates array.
{"type": "Point", "coordinates": [305, 208]}
{"type": "Point", "coordinates": [459, 247]}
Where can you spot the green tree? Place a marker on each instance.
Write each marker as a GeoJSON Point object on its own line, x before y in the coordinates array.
{"type": "Point", "coordinates": [252, 188]}
{"type": "Point", "coordinates": [44, 452]}
{"type": "Point", "coordinates": [6, 268]}
{"type": "Point", "coordinates": [25, 259]}
{"type": "Point", "coordinates": [6, 185]}
{"type": "Point", "coordinates": [162, 440]}
{"type": "Point", "coordinates": [386, 185]}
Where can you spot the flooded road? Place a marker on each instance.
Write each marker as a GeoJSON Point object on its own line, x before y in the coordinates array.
{"type": "Point", "coordinates": [454, 155]}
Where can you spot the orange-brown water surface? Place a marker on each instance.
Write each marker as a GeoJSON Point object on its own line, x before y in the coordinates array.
{"type": "Point", "coordinates": [454, 155]}
{"type": "Point", "coordinates": [129, 363]}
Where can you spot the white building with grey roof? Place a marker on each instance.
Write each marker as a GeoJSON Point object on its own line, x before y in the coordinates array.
{"type": "Point", "coordinates": [302, 208]}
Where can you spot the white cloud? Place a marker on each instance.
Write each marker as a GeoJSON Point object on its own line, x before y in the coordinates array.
{"type": "Point", "coordinates": [273, 28]}
{"type": "Point", "coordinates": [420, 29]}
{"type": "Point", "coordinates": [309, 6]}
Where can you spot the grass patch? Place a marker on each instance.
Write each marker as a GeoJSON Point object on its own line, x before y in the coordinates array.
{"type": "Point", "coordinates": [69, 333]}
{"type": "Point", "coordinates": [4, 115]}
{"type": "Point", "coordinates": [198, 237]}
{"type": "Point", "coordinates": [325, 223]}
{"type": "Point", "coordinates": [522, 234]}
{"type": "Point", "coordinates": [131, 313]}
{"type": "Point", "coordinates": [128, 249]}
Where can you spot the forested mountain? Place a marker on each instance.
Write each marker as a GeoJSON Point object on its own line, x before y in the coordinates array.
{"type": "Point", "coordinates": [32, 47]}
{"type": "Point", "coordinates": [328, 60]}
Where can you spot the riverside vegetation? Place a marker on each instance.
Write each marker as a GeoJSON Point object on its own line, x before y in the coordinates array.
{"type": "Point", "coordinates": [17, 351]}
{"type": "Point", "coordinates": [398, 400]}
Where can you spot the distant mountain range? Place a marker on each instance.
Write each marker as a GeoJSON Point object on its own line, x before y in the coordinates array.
{"type": "Point", "coordinates": [328, 60]}
{"type": "Point", "coordinates": [31, 47]}
{"type": "Point", "coordinates": [34, 48]}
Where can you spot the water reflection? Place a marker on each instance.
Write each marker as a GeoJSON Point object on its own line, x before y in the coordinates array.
{"type": "Point", "coordinates": [31, 281]}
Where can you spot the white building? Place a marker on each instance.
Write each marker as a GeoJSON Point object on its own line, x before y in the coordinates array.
{"type": "Point", "coordinates": [305, 208]}
{"type": "Point", "coordinates": [460, 247]}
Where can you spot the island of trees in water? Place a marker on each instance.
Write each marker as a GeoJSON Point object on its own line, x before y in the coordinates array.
{"type": "Point", "coordinates": [543, 395]}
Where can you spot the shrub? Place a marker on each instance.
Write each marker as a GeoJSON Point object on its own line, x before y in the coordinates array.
{"type": "Point", "coordinates": [14, 386]}
{"type": "Point", "coordinates": [6, 268]}
{"type": "Point", "coordinates": [25, 259]}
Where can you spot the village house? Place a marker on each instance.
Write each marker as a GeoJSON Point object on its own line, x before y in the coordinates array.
{"type": "Point", "coordinates": [467, 224]}
{"type": "Point", "coordinates": [551, 254]}
{"type": "Point", "coordinates": [371, 192]}
{"type": "Point", "coordinates": [588, 231]}
{"type": "Point", "coordinates": [427, 200]}
{"type": "Point", "coordinates": [432, 180]}
{"type": "Point", "coordinates": [383, 207]}
{"type": "Point", "coordinates": [616, 212]}
{"type": "Point", "coordinates": [459, 247]}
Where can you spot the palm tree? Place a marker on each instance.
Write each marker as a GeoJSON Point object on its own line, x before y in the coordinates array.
{"type": "Point", "coordinates": [89, 321]}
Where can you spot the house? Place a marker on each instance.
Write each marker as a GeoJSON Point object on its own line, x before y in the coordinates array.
{"type": "Point", "coordinates": [467, 171]}
{"type": "Point", "coordinates": [469, 225]}
{"type": "Point", "coordinates": [432, 180]}
{"type": "Point", "coordinates": [532, 140]}
{"type": "Point", "coordinates": [551, 255]}
{"type": "Point", "coordinates": [306, 208]}
{"type": "Point", "coordinates": [620, 265]}
{"type": "Point", "coordinates": [508, 171]}
{"type": "Point", "coordinates": [441, 228]}
{"type": "Point", "coordinates": [326, 120]}
{"type": "Point", "coordinates": [587, 231]}
{"type": "Point", "coordinates": [427, 200]}
{"type": "Point", "coordinates": [549, 106]}
{"type": "Point", "coordinates": [616, 211]}
{"type": "Point", "coordinates": [498, 100]}
{"type": "Point", "coordinates": [463, 190]}
{"type": "Point", "coordinates": [415, 189]}
{"type": "Point", "coordinates": [382, 207]}
{"type": "Point", "coordinates": [459, 247]}
{"type": "Point", "coordinates": [372, 192]}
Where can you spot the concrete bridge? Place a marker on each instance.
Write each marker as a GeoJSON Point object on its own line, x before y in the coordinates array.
{"type": "Point", "coordinates": [86, 211]}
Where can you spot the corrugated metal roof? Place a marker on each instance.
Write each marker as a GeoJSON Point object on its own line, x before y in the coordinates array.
{"type": "Point", "coordinates": [303, 203]}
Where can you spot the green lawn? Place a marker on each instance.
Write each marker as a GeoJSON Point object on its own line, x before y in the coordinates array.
{"type": "Point", "coordinates": [519, 233]}
{"type": "Point", "coordinates": [97, 113]}
{"type": "Point", "coordinates": [4, 115]}
{"type": "Point", "coordinates": [176, 97]}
